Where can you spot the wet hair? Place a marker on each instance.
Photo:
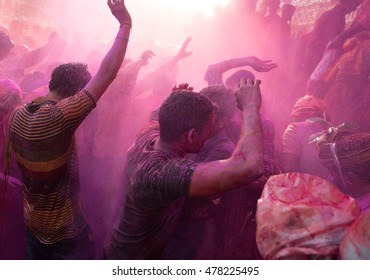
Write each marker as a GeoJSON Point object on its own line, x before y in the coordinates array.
{"type": "Point", "coordinates": [68, 79]}
{"type": "Point", "coordinates": [224, 98]}
{"type": "Point", "coordinates": [234, 79]}
{"type": "Point", "coordinates": [181, 111]}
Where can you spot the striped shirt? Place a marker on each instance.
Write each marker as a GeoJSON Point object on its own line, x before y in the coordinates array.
{"type": "Point", "coordinates": [43, 139]}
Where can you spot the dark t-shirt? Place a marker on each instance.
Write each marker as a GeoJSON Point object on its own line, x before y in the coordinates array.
{"type": "Point", "coordinates": [157, 184]}
{"type": "Point", "coordinates": [191, 228]}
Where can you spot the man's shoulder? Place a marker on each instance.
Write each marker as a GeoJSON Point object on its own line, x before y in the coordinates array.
{"type": "Point", "coordinates": [304, 127]}
{"type": "Point", "coordinates": [221, 141]}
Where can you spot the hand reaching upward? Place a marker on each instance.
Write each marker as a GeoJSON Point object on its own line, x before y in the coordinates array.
{"type": "Point", "coordinates": [261, 65]}
{"type": "Point", "coordinates": [248, 95]}
{"type": "Point", "coordinates": [182, 52]}
{"type": "Point", "coordinates": [120, 12]}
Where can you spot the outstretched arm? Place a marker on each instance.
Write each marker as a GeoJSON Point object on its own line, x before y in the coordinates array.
{"type": "Point", "coordinates": [113, 59]}
{"type": "Point", "coordinates": [215, 71]}
{"type": "Point", "coordinates": [246, 163]}
{"type": "Point", "coordinates": [339, 40]}
{"type": "Point", "coordinates": [360, 23]}
{"type": "Point", "coordinates": [181, 54]}
{"type": "Point", "coordinates": [150, 79]}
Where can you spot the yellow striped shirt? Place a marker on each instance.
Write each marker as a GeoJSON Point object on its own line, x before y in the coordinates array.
{"type": "Point", "coordinates": [42, 136]}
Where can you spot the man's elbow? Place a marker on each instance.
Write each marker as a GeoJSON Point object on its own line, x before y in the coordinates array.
{"type": "Point", "coordinates": [260, 168]}
{"type": "Point", "coordinates": [257, 169]}
{"type": "Point", "coordinates": [250, 171]}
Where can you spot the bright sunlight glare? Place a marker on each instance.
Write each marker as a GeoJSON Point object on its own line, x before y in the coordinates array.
{"type": "Point", "coordinates": [194, 6]}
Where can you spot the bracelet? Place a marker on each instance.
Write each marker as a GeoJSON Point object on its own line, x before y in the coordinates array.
{"type": "Point", "coordinates": [127, 24]}
{"type": "Point", "coordinates": [122, 38]}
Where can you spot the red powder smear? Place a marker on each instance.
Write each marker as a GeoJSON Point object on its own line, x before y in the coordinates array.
{"type": "Point", "coordinates": [241, 155]}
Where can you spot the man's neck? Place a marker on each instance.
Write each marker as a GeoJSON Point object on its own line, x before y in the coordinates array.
{"type": "Point", "coordinates": [53, 96]}
{"type": "Point", "coordinates": [172, 149]}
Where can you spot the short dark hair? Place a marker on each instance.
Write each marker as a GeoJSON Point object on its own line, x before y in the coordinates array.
{"type": "Point", "coordinates": [181, 111]}
{"type": "Point", "coordinates": [224, 98]}
{"type": "Point", "coordinates": [68, 79]}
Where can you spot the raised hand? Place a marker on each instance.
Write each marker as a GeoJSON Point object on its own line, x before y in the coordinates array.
{"type": "Point", "coordinates": [184, 86]}
{"type": "Point", "coordinates": [120, 12]}
{"type": "Point", "coordinates": [248, 95]}
{"type": "Point", "coordinates": [182, 52]}
{"type": "Point", "coordinates": [261, 65]}
{"type": "Point", "coordinates": [145, 56]}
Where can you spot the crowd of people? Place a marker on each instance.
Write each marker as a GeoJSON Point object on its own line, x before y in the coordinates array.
{"type": "Point", "coordinates": [112, 164]}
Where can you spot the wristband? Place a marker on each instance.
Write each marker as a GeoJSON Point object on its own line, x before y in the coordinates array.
{"type": "Point", "coordinates": [126, 24]}
{"type": "Point", "coordinates": [121, 38]}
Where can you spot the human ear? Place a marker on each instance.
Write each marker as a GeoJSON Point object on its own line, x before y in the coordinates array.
{"type": "Point", "coordinates": [191, 135]}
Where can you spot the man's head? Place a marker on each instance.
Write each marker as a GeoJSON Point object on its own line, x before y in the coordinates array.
{"type": "Point", "coordinates": [273, 6]}
{"type": "Point", "coordinates": [145, 56]}
{"type": "Point", "coordinates": [287, 12]}
{"type": "Point", "coordinates": [68, 79]}
{"type": "Point", "coordinates": [224, 98]}
{"type": "Point", "coordinates": [234, 80]}
{"type": "Point", "coordinates": [5, 45]}
{"type": "Point", "coordinates": [186, 114]}
{"type": "Point", "coordinates": [308, 106]}
{"type": "Point", "coordinates": [10, 98]}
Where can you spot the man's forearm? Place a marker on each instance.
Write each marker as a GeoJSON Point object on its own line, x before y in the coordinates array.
{"type": "Point", "coordinates": [351, 31]}
{"type": "Point", "coordinates": [111, 63]}
{"type": "Point", "coordinates": [227, 65]}
{"type": "Point", "coordinates": [245, 165]}
{"type": "Point", "coordinates": [248, 154]}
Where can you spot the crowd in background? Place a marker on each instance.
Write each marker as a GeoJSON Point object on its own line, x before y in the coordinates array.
{"type": "Point", "coordinates": [310, 196]}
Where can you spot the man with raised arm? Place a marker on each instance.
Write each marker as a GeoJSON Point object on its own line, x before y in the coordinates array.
{"type": "Point", "coordinates": [42, 134]}
{"type": "Point", "coordinates": [160, 178]}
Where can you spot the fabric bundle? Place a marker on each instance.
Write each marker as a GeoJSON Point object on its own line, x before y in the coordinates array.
{"type": "Point", "coordinates": [356, 244]}
{"type": "Point", "coordinates": [302, 215]}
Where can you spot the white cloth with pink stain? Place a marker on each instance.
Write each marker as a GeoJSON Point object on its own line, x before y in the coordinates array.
{"type": "Point", "coordinates": [300, 214]}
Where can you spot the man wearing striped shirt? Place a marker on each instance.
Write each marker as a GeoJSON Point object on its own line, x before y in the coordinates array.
{"type": "Point", "coordinates": [43, 139]}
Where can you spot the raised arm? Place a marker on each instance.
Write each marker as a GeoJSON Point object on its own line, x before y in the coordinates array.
{"type": "Point", "coordinates": [246, 163]}
{"type": "Point", "coordinates": [113, 59]}
{"type": "Point", "coordinates": [181, 54]}
{"type": "Point", "coordinates": [215, 71]}
{"type": "Point", "coordinates": [339, 40]}
{"type": "Point", "coordinates": [148, 82]}
{"type": "Point", "coordinates": [359, 24]}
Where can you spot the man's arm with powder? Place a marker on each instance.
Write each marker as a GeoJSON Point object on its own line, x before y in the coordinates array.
{"type": "Point", "coordinates": [215, 71]}
{"type": "Point", "coordinates": [113, 59]}
{"type": "Point", "coordinates": [246, 163]}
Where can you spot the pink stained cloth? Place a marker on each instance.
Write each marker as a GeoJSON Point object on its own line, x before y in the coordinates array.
{"type": "Point", "coordinates": [356, 243]}
{"type": "Point", "coordinates": [300, 214]}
